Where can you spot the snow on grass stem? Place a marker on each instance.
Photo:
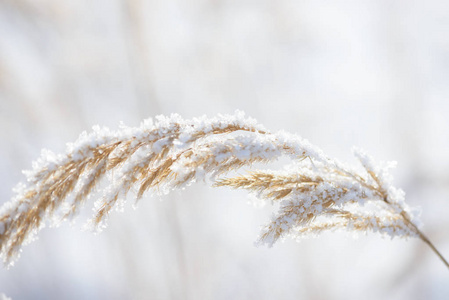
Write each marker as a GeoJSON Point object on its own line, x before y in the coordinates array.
{"type": "Point", "coordinates": [313, 193]}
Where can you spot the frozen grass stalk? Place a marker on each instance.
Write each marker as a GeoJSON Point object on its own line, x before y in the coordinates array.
{"type": "Point", "coordinates": [313, 193]}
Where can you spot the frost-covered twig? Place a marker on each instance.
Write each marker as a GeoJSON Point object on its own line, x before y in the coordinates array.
{"type": "Point", "coordinates": [314, 193]}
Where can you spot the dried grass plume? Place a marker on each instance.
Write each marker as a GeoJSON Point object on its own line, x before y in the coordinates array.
{"type": "Point", "coordinates": [314, 193]}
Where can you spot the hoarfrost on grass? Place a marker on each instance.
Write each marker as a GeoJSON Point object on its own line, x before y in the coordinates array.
{"type": "Point", "coordinates": [313, 193]}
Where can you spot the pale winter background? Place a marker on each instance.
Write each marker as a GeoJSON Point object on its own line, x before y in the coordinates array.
{"type": "Point", "coordinates": [340, 73]}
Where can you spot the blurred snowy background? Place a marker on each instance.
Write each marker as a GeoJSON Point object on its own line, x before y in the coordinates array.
{"type": "Point", "coordinates": [340, 73]}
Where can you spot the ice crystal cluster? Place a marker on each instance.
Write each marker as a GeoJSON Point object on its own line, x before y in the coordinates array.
{"type": "Point", "coordinates": [312, 194]}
